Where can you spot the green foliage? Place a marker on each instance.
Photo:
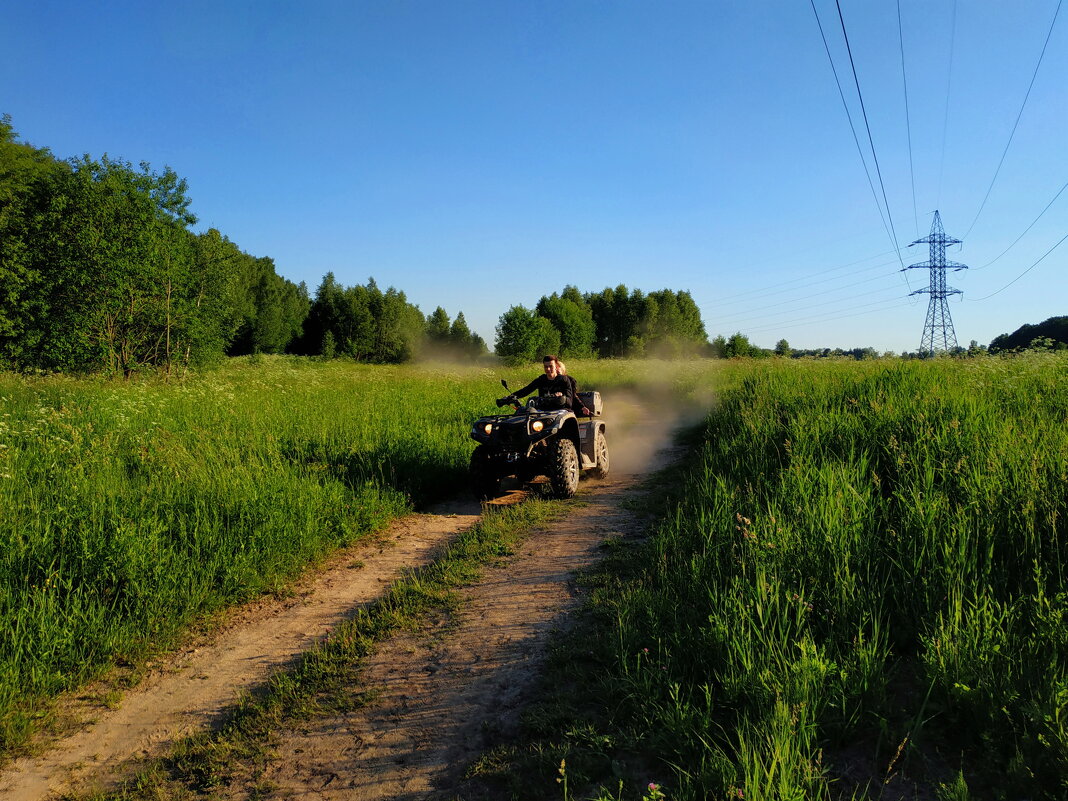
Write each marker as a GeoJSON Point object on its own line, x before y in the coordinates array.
{"type": "Point", "coordinates": [366, 323]}
{"type": "Point", "coordinates": [615, 322]}
{"type": "Point", "coordinates": [272, 309]}
{"type": "Point", "coordinates": [1055, 329]}
{"type": "Point", "coordinates": [100, 272]}
{"type": "Point", "coordinates": [525, 336]}
{"type": "Point", "coordinates": [863, 566]}
{"type": "Point", "coordinates": [573, 318]}
{"type": "Point", "coordinates": [738, 345]}
{"type": "Point", "coordinates": [437, 326]}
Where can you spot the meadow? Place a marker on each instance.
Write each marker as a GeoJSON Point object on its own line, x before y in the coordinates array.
{"type": "Point", "coordinates": [857, 578]}
{"type": "Point", "coordinates": [858, 591]}
{"type": "Point", "coordinates": [131, 509]}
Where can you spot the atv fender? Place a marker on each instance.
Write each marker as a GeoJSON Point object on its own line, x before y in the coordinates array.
{"type": "Point", "coordinates": [587, 442]}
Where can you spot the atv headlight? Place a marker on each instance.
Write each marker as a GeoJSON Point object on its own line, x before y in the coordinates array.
{"type": "Point", "coordinates": [488, 428]}
{"type": "Point", "coordinates": [537, 426]}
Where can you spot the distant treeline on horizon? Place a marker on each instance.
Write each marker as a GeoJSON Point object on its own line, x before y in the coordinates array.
{"type": "Point", "coordinates": [101, 272]}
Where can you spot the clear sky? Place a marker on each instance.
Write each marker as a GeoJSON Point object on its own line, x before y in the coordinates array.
{"type": "Point", "coordinates": [480, 153]}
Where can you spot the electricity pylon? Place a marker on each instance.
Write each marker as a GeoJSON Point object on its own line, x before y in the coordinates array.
{"type": "Point", "coordinates": [938, 331]}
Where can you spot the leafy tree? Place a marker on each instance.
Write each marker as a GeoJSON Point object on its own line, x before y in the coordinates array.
{"type": "Point", "coordinates": [524, 336]}
{"type": "Point", "coordinates": [438, 326]}
{"type": "Point", "coordinates": [662, 323]}
{"type": "Point", "coordinates": [364, 322]}
{"type": "Point", "coordinates": [273, 309]}
{"type": "Point", "coordinates": [25, 174]}
{"type": "Point", "coordinates": [99, 270]}
{"type": "Point", "coordinates": [121, 267]}
{"type": "Point", "coordinates": [717, 349]}
{"type": "Point", "coordinates": [782, 348]}
{"type": "Point", "coordinates": [1054, 328]}
{"type": "Point", "coordinates": [738, 345]}
{"type": "Point", "coordinates": [572, 317]}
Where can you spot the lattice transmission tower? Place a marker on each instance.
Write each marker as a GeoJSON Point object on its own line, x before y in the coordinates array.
{"type": "Point", "coordinates": [938, 331]}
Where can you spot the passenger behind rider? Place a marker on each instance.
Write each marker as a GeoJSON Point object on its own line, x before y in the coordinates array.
{"type": "Point", "coordinates": [554, 382]}
{"type": "Point", "coordinates": [576, 405]}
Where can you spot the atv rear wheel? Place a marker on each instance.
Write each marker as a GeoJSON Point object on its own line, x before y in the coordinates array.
{"type": "Point", "coordinates": [563, 468]}
{"type": "Point", "coordinates": [485, 482]}
{"type": "Point", "coordinates": [600, 453]}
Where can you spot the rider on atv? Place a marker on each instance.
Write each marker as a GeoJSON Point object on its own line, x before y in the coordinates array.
{"type": "Point", "coordinates": [554, 383]}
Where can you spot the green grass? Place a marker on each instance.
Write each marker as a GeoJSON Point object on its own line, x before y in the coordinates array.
{"type": "Point", "coordinates": [859, 578]}
{"type": "Point", "coordinates": [133, 510]}
{"type": "Point", "coordinates": [130, 510]}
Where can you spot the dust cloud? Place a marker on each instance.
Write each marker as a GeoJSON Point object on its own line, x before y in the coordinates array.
{"type": "Point", "coordinates": [641, 425]}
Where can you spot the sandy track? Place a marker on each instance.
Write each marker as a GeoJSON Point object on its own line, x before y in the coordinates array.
{"type": "Point", "coordinates": [444, 697]}
{"type": "Point", "coordinates": [200, 685]}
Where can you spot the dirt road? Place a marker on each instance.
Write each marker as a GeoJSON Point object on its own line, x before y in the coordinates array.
{"type": "Point", "coordinates": [440, 700]}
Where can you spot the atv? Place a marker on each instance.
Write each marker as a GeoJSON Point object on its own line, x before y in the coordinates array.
{"type": "Point", "coordinates": [539, 439]}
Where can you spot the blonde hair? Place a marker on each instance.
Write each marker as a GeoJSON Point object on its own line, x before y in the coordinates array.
{"type": "Point", "coordinates": [560, 367]}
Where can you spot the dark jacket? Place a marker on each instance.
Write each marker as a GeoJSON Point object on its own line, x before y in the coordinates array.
{"type": "Point", "coordinates": [563, 384]}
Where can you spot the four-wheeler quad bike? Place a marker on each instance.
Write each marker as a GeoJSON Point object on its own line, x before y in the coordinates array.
{"type": "Point", "coordinates": [539, 439]}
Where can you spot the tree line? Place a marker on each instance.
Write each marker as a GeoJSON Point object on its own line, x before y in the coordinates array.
{"type": "Point", "coordinates": [100, 271]}
{"type": "Point", "coordinates": [610, 323]}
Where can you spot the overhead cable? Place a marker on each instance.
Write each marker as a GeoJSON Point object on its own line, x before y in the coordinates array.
{"type": "Point", "coordinates": [1025, 272]}
{"type": "Point", "coordinates": [1015, 124]}
{"type": "Point", "coordinates": [867, 126]}
{"type": "Point", "coordinates": [908, 123]}
{"type": "Point", "coordinates": [883, 306]}
{"type": "Point", "coordinates": [763, 292]}
{"type": "Point", "coordinates": [856, 139]}
{"type": "Point", "coordinates": [945, 118]}
{"type": "Point", "coordinates": [749, 314]}
{"type": "Point", "coordinates": [1028, 228]}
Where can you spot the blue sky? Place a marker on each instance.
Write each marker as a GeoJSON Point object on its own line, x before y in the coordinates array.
{"type": "Point", "coordinates": [480, 154]}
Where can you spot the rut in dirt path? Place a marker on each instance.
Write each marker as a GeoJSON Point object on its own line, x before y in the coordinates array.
{"type": "Point", "coordinates": [444, 697]}
{"type": "Point", "coordinates": [198, 687]}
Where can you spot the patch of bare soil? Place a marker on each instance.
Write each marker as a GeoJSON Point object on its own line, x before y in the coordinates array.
{"type": "Point", "coordinates": [440, 701]}
{"type": "Point", "coordinates": [444, 697]}
{"type": "Point", "coordinates": [200, 685]}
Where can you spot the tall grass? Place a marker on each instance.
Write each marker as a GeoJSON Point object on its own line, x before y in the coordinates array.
{"type": "Point", "coordinates": [128, 510]}
{"type": "Point", "coordinates": [864, 578]}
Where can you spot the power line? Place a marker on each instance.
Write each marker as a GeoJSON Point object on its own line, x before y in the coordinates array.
{"type": "Point", "coordinates": [908, 122]}
{"type": "Point", "coordinates": [749, 315]}
{"type": "Point", "coordinates": [852, 127]}
{"type": "Point", "coordinates": [1028, 228]}
{"type": "Point", "coordinates": [871, 142]}
{"type": "Point", "coordinates": [1025, 272]}
{"type": "Point", "coordinates": [945, 118]}
{"type": "Point", "coordinates": [764, 292]}
{"type": "Point", "coordinates": [882, 304]}
{"type": "Point", "coordinates": [1015, 124]}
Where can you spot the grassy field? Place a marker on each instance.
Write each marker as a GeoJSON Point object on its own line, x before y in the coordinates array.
{"type": "Point", "coordinates": [859, 587]}
{"type": "Point", "coordinates": [860, 577]}
{"type": "Point", "coordinates": [131, 510]}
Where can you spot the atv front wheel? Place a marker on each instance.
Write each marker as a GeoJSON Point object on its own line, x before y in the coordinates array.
{"type": "Point", "coordinates": [563, 468]}
{"type": "Point", "coordinates": [485, 482]}
{"type": "Point", "coordinates": [600, 453]}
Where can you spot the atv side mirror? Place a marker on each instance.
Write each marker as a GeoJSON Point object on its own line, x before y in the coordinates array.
{"type": "Point", "coordinates": [504, 383]}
